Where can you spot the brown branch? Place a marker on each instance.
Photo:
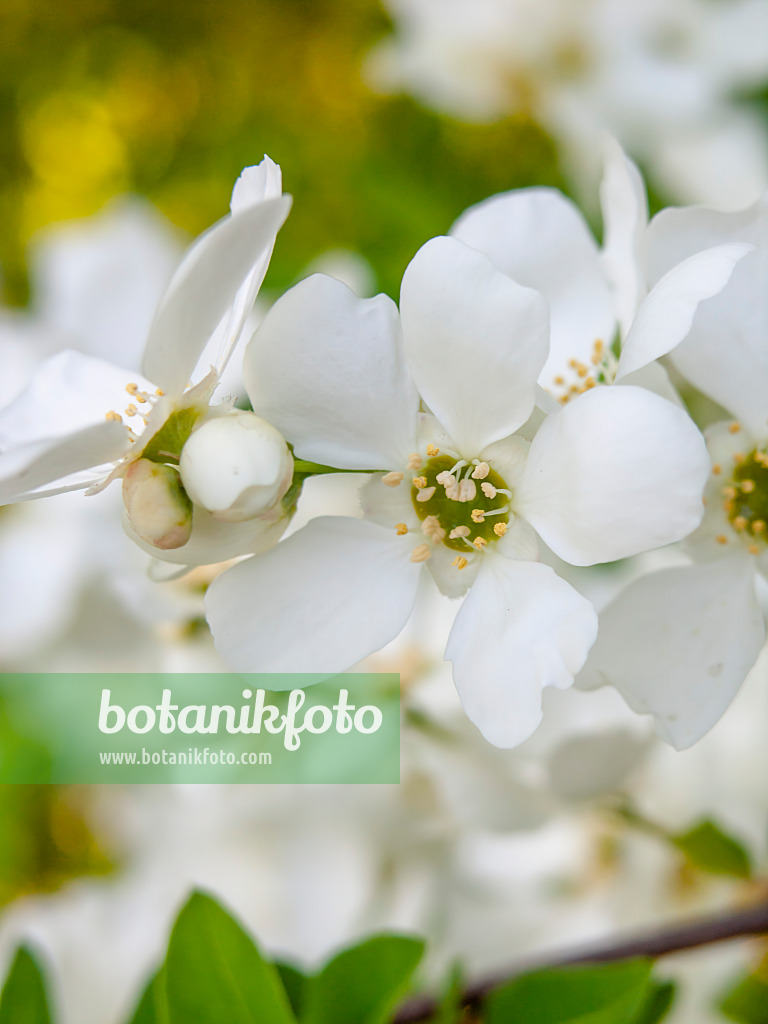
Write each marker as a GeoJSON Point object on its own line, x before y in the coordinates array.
{"type": "Point", "coordinates": [662, 942]}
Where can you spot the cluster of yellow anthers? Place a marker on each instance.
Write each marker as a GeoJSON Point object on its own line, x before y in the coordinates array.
{"type": "Point", "coordinates": [745, 497]}
{"type": "Point", "coordinates": [143, 398]}
{"type": "Point", "coordinates": [602, 370]}
{"type": "Point", "coordinates": [456, 500]}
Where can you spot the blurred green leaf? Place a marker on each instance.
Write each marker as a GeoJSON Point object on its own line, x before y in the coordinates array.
{"type": "Point", "coordinates": [450, 1006]}
{"type": "Point", "coordinates": [214, 972]}
{"type": "Point", "coordinates": [658, 1003]}
{"type": "Point", "coordinates": [153, 1006]}
{"type": "Point", "coordinates": [362, 985]}
{"type": "Point", "coordinates": [747, 1001]}
{"type": "Point", "coordinates": [709, 848]}
{"type": "Point", "coordinates": [295, 984]}
{"type": "Point", "coordinates": [23, 1000]}
{"type": "Point", "coordinates": [606, 994]}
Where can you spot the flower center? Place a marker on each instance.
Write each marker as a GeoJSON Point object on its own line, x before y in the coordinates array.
{"type": "Point", "coordinates": [746, 497]}
{"type": "Point", "coordinates": [580, 377]}
{"type": "Point", "coordinates": [465, 504]}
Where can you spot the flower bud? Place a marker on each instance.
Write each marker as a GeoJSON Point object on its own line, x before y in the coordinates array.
{"type": "Point", "coordinates": [158, 508]}
{"type": "Point", "coordinates": [236, 466]}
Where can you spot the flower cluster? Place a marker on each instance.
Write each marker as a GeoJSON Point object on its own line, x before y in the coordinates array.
{"type": "Point", "coordinates": [509, 423]}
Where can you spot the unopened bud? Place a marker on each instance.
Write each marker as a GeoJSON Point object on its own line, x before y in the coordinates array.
{"type": "Point", "coordinates": [158, 508]}
{"type": "Point", "coordinates": [236, 466]}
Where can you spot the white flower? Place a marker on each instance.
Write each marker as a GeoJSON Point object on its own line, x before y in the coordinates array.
{"type": "Point", "coordinates": [678, 644]}
{"type": "Point", "coordinates": [540, 239]}
{"type": "Point", "coordinates": [614, 472]}
{"type": "Point", "coordinates": [659, 76]}
{"type": "Point", "coordinates": [65, 430]}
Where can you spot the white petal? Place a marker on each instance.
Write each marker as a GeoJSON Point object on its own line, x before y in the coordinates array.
{"type": "Point", "coordinates": [617, 471]}
{"type": "Point", "coordinates": [475, 341]}
{"type": "Point", "coordinates": [213, 541]}
{"type": "Point", "coordinates": [540, 239]}
{"type": "Point", "coordinates": [521, 628]}
{"type": "Point", "coordinates": [328, 369]}
{"type": "Point", "coordinates": [204, 287]}
{"type": "Point", "coordinates": [677, 644]}
{"type": "Point", "coordinates": [99, 280]}
{"type": "Point", "coordinates": [625, 218]}
{"type": "Point", "coordinates": [319, 602]}
{"type": "Point", "coordinates": [666, 316]}
{"type": "Point", "coordinates": [30, 467]}
{"type": "Point", "coordinates": [70, 391]}
{"type": "Point", "coordinates": [725, 355]}
{"type": "Point", "coordinates": [256, 184]}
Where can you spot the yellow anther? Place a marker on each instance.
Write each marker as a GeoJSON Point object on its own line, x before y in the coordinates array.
{"type": "Point", "coordinates": [480, 543]}
{"type": "Point", "coordinates": [572, 363]}
{"type": "Point", "coordinates": [738, 457]}
{"type": "Point", "coordinates": [159, 392]}
{"type": "Point", "coordinates": [425, 493]}
{"type": "Point", "coordinates": [131, 388]}
{"type": "Point", "coordinates": [488, 490]}
{"type": "Point", "coordinates": [734, 428]}
{"type": "Point", "coordinates": [432, 451]}
{"type": "Point", "coordinates": [758, 526]}
{"type": "Point", "coordinates": [729, 493]}
{"type": "Point", "coordinates": [559, 380]}
{"type": "Point", "coordinates": [419, 482]}
{"type": "Point", "coordinates": [131, 410]}
{"type": "Point", "coordinates": [414, 461]}
{"type": "Point", "coordinates": [753, 549]}
{"type": "Point", "coordinates": [421, 553]}
{"type": "Point", "coordinates": [431, 528]}
{"type": "Point", "coordinates": [141, 398]}
{"type": "Point", "coordinates": [582, 370]}
{"type": "Point", "coordinates": [747, 486]}
{"type": "Point", "coordinates": [728, 506]}
{"type": "Point", "coordinates": [401, 529]}
{"type": "Point", "coordinates": [717, 469]}
{"type": "Point", "coordinates": [598, 346]}
{"type": "Point", "coordinates": [740, 523]}
{"type": "Point", "coordinates": [500, 529]}
{"type": "Point", "coordinates": [392, 479]}
{"type": "Point", "coordinates": [563, 399]}
{"type": "Point", "coordinates": [477, 515]}
{"type": "Point", "coordinates": [721, 538]}
{"type": "Point", "coordinates": [481, 471]}
{"type": "Point", "coordinates": [460, 562]}
{"type": "Point", "coordinates": [589, 384]}
{"type": "Point", "coordinates": [459, 531]}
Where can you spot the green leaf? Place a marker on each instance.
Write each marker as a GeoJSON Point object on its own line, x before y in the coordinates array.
{"type": "Point", "coordinates": [747, 1002]}
{"type": "Point", "coordinates": [362, 985]}
{"type": "Point", "coordinates": [23, 1000]}
{"type": "Point", "coordinates": [295, 984]}
{"type": "Point", "coordinates": [153, 1006]}
{"type": "Point", "coordinates": [450, 1007]}
{"type": "Point", "coordinates": [658, 1003]}
{"type": "Point", "coordinates": [214, 972]}
{"type": "Point", "coordinates": [710, 849]}
{"type": "Point", "coordinates": [605, 994]}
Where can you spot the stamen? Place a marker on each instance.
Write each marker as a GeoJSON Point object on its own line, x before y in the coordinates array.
{"type": "Point", "coordinates": [414, 461]}
{"type": "Point", "coordinates": [450, 483]}
{"type": "Point", "coordinates": [131, 410]}
{"type": "Point", "coordinates": [459, 464]}
{"type": "Point", "coordinates": [747, 486]}
{"type": "Point", "coordinates": [477, 515]}
{"type": "Point", "coordinates": [488, 490]}
{"type": "Point", "coordinates": [425, 493]}
{"type": "Point", "coordinates": [459, 531]}
{"type": "Point", "coordinates": [467, 490]}
{"type": "Point", "coordinates": [753, 549]}
{"type": "Point", "coordinates": [734, 428]}
{"type": "Point", "coordinates": [481, 471]}
{"type": "Point", "coordinates": [159, 392]}
{"type": "Point", "coordinates": [421, 553]}
{"type": "Point", "coordinates": [114, 416]}
{"type": "Point", "coordinates": [392, 479]}
{"type": "Point", "coordinates": [131, 388]}
{"type": "Point", "coordinates": [432, 451]}
{"type": "Point", "coordinates": [729, 493]}
{"type": "Point", "coordinates": [500, 529]}
{"type": "Point", "coordinates": [740, 523]}
{"type": "Point", "coordinates": [419, 482]}
{"type": "Point", "coordinates": [498, 511]}
{"type": "Point", "coordinates": [431, 528]}
{"type": "Point", "coordinates": [401, 529]}
{"type": "Point", "coordinates": [758, 526]}
{"type": "Point", "coordinates": [721, 538]}
{"type": "Point", "coordinates": [460, 562]}
{"type": "Point", "coordinates": [717, 469]}
{"type": "Point", "coordinates": [480, 543]}
{"type": "Point", "coordinates": [738, 457]}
